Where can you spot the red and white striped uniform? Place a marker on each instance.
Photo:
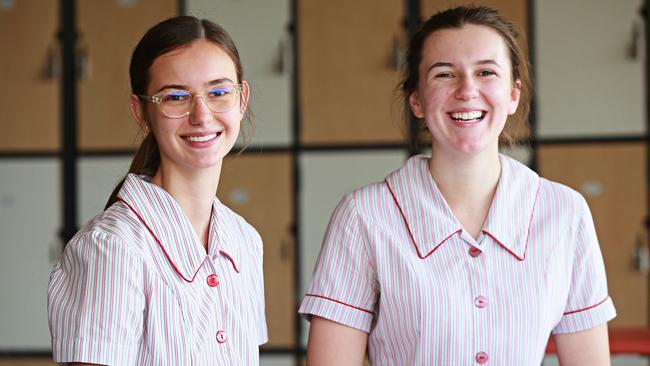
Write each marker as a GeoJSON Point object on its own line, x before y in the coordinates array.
{"type": "Point", "coordinates": [396, 263]}
{"type": "Point", "coordinates": [136, 287]}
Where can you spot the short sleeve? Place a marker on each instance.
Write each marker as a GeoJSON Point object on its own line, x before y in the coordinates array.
{"type": "Point", "coordinates": [96, 302]}
{"type": "Point", "coordinates": [588, 304]}
{"type": "Point", "coordinates": [343, 287]}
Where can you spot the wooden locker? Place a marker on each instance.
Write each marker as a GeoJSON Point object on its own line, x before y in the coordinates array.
{"type": "Point", "coordinates": [612, 177]}
{"type": "Point", "coordinates": [108, 33]}
{"type": "Point", "coordinates": [259, 188]}
{"type": "Point", "coordinates": [30, 70]}
{"type": "Point", "coordinates": [514, 11]}
{"type": "Point", "coordinates": [265, 48]}
{"type": "Point", "coordinates": [347, 70]}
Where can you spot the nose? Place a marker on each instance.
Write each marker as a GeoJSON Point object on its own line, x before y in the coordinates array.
{"type": "Point", "coordinates": [466, 89]}
{"type": "Point", "coordinates": [199, 112]}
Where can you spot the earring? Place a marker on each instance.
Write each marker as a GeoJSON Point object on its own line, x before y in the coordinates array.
{"type": "Point", "coordinates": [145, 128]}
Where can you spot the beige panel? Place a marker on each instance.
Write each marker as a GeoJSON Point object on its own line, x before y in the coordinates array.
{"type": "Point", "coordinates": [612, 179]}
{"type": "Point", "coordinates": [108, 34]}
{"type": "Point", "coordinates": [259, 187]}
{"type": "Point", "coordinates": [347, 79]}
{"type": "Point", "coordinates": [516, 12]}
{"type": "Point", "coordinates": [587, 82]}
{"type": "Point", "coordinates": [30, 100]}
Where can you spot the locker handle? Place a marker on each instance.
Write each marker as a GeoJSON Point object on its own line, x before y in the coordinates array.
{"type": "Point", "coordinates": [52, 70]}
{"type": "Point", "coordinates": [641, 257]}
{"type": "Point", "coordinates": [284, 57]}
{"type": "Point", "coordinates": [397, 53]}
{"type": "Point", "coordinates": [82, 63]}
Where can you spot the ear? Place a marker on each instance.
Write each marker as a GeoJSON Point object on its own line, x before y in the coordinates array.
{"type": "Point", "coordinates": [416, 105]}
{"type": "Point", "coordinates": [245, 94]}
{"type": "Point", "coordinates": [137, 111]}
{"type": "Point", "coordinates": [515, 94]}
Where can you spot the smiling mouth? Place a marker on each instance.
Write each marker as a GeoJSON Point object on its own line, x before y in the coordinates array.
{"type": "Point", "coordinates": [473, 116]}
{"type": "Point", "coordinates": [202, 138]}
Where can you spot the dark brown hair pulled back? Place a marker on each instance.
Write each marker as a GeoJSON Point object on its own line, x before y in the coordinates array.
{"type": "Point", "coordinates": [166, 36]}
{"type": "Point", "coordinates": [456, 18]}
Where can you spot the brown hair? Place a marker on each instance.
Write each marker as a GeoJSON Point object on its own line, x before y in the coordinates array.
{"type": "Point", "coordinates": [166, 36]}
{"type": "Point", "coordinates": [456, 18]}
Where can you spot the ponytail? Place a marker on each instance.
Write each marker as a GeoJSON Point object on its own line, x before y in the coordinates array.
{"type": "Point", "coordinates": [146, 161]}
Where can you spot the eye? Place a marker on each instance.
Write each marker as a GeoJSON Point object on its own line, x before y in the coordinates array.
{"type": "Point", "coordinates": [444, 75]}
{"type": "Point", "coordinates": [220, 91]}
{"type": "Point", "coordinates": [485, 73]}
{"type": "Point", "coordinates": [176, 96]}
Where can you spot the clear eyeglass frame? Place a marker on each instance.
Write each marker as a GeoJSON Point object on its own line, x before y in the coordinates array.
{"type": "Point", "coordinates": [159, 99]}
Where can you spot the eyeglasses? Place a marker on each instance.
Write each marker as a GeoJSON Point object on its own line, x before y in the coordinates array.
{"type": "Point", "coordinates": [177, 103]}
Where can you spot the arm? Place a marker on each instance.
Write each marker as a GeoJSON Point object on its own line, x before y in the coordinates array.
{"type": "Point", "coordinates": [332, 343]}
{"type": "Point", "coordinates": [589, 347]}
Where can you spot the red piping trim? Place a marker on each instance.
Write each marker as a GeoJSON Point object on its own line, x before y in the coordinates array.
{"type": "Point", "coordinates": [339, 302]}
{"type": "Point", "coordinates": [530, 223]}
{"type": "Point", "coordinates": [408, 227]}
{"type": "Point", "coordinates": [231, 260]}
{"type": "Point", "coordinates": [162, 247]}
{"type": "Point", "coordinates": [587, 308]}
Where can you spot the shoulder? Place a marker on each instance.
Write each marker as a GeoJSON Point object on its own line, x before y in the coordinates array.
{"type": "Point", "coordinates": [117, 227]}
{"type": "Point", "coordinates": [557, 196]}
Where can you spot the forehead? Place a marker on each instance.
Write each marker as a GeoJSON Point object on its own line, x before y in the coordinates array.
{"type": "Point", "coordinates": [193, 66]}
{"type": "Point", "coordinates": [467, 44]}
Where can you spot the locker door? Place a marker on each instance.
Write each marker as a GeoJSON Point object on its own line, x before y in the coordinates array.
{"type": "Point", "coordinates": [97, 178]}
{"type": "Point", "coordinates": [109, 31]}
{"type": "Point", "coordinates": [265, 49]}
{"type": "Point", "coordinates": [30, 74]}
{"type": "Point", "coordinates": [348, 72]}
{"type": "Point", "coordinates": [326, 177]}
{"type": "Point", "coordinates": [588, 83]}
{"type": "Point", "coordinates": [259, 188]}
{"type": "Point", "coordinates": [612, 179]}
{"type": "Point", "coordinates": [29, 223]}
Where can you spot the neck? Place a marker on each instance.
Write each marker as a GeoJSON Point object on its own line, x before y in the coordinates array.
{"type": "Point", "coordinates": [468, 184]}
{"type": "Point", "coordinates": [194, 190]}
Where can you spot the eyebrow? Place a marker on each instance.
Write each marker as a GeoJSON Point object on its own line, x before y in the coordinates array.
{"type": "Point", "coordinates": [449, 64]}
{"type": "Point", "coordinates": [184, 87]}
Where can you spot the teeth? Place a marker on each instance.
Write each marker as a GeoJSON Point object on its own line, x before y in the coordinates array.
{"type": "Point", "coordinates": [467, 116]}
{"type": "Point", "coordinates": [201, 138]}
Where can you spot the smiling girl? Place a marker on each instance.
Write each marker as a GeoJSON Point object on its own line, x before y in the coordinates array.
{"type": "Point", "coordinates": [168, 275]}
{"type": "Point", "coordinates": [466, 257]}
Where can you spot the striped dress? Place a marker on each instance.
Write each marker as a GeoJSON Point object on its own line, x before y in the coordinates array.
{"type": "Point", "coordinates": [136, 287]}
{"type": "Point", "coordinates": [397, 264]}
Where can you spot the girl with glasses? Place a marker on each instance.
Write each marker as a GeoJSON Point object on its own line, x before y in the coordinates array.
{"type": "Point", "coordinates": [464, 257]}
{"type": "Point", "coordinates": [168, 275]}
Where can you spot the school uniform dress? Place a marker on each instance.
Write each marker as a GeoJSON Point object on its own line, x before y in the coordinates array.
{"type": "Point", "coordinates": [136, 287]}
{"type": "Point", "coordinates": [397, 264]}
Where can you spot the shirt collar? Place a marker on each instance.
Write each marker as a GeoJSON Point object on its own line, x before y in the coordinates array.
{"type": "Point", "coordinates": [431, 221]}
{"type": "Point", "coordinates": [169, 225]}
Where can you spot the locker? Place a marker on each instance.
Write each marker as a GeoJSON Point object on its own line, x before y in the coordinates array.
{"type": "Point", "coordinates": [612, 179]}
{"type": "Point", "coordinates": [29, 223]}
{"type": "Point", "coordinates": [97, 176]}
{"type": "Point", "coordinates": [349, 71]}
{"type": "Point", "coordinates": [588, 82]}
{"type": "Point", "coordinates": [30, 70]}
{"type": "Point", "coordinates": [108, 33]}
{"type": "Point", "coordinates": [265, 48]}
{"type": "Point", "coordinates": [326, 177]}
{"type": "Point", "coordinates": [259, 188]}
